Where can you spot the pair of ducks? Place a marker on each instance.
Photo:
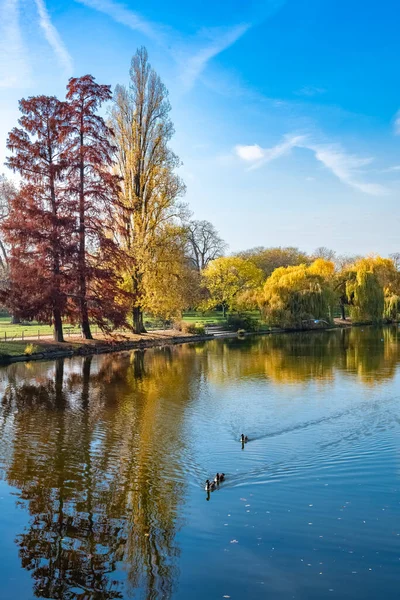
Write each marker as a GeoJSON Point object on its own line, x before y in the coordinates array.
{"type": "Point", "coordinates": [211, 485]}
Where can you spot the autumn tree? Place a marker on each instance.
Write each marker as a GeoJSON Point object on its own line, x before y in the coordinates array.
{"type": "Point", "coordinates": [269, 259]}
{"type": "Point", "coordinates": [294, 295]}
{"type": "Point", "coordinates": [40, 224]}
{"type": "Point", "coordinates": [92, 185]}
{"type": "Point", "coordinates": [227, 278]}
{"type": "Point", "coordinates": [366, 297]}
{"type": "Point", "coordinates": [149, 188]}
{"type": "Point", "coordinates": [324, 253]}
{"type": "Point", "coordinates": [371, 289]}
{"type": "Point", "coordinates": [395, 256]}
{"type": "Point", "coordinates": [171, 283]}
{"type": "Point", "coordinates": [204, 243]}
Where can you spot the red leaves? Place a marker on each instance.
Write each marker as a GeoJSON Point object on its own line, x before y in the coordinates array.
{"type": "Point", "coordinates": [64, 154]}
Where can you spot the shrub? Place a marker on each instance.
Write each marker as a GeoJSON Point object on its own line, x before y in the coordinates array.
{"type": "Point", "coordinates": [30, 349]}
{"type": "Point", "coordinates": [193, 328]}
{"type": "Point", "coordinates": [244, 323]}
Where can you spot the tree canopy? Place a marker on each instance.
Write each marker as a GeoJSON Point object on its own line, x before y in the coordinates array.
{"type": "Point", "coordinates": [227, 279]}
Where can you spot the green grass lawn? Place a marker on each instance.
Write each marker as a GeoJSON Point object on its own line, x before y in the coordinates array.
{"type": "Point", "coordinates": [35, 330]}
{"type": "Point", "coordinates": [8, 331]}
{"type": "Point", "coordinates": [16, 348]}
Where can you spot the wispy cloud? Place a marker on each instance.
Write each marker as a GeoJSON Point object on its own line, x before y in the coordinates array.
{"type": "Point", "coordinates": [259, 156]}
{"type": "Point", "coordinates": [348, 168]}
{"type": "Point", "coordinates": [125, 16]}
{"type": "Point", "coordinates": [208, 43]}
{"type": "Point", "coordinates": [215, 41]}
{"type": "Point", "coordinates": [53, 37]}
{"type": "Point", "coordinates": [14, 67]}
{"type": "Point", "coordinates": [397, 123]}
{"type": "Point", "coordinates": [310, 90]}
{"type": "Point", "coordinates": [393, 169]}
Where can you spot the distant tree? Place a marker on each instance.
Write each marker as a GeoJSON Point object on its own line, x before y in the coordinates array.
{"type": "Point", "coordinates": [40, 223]}
{"type": "Point", "coordinates": [295, 295]}
{"type": "Point", "coordinates": [150, 187]}
{"type": "Point", "coordinates": [325, 253]}
{"type": "Point", "coordinates": [370, 287]}
{"type": "Point", "coordinates": [366, 296]}
{"type": "Point", "coordinates": [204, 244]}
{"type": "Point", "coordinates": [7, 191]}
{"type": "Point", "coordinates": [227, 279]}
{"type": "Point", "coordinates": [345, 261]}
{"type": "Point", "coordinates": [396, 260]}
{"type": "Point", "coordinates": [92, 185]}
{"type": "Point", "coordinates": [269, 259]}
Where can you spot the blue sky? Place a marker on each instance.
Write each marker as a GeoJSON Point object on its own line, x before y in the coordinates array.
{"type": "Point", "coordinates": [286, 112]}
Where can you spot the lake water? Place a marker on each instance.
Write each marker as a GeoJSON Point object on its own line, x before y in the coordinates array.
{"type": "Point", "coordinates": [103, 462]}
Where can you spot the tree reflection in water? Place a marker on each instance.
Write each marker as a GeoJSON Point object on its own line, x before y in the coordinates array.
{"type": "Point", "coordinates": [97, 449]}
{"type": "Point", "coordinates": [97, 465]}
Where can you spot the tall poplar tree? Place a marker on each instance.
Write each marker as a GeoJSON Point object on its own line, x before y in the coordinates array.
{"type": "Point", "coordinates": [150, 188]}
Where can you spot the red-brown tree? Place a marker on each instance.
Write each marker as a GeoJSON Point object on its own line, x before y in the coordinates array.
{"type": "Point", "coordinates": [94, 187]}
{"type": "Point", "coordinates": [40, 225]}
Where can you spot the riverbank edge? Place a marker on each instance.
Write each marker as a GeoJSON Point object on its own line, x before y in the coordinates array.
{"type": "Point", "coordinates": [104, 347]}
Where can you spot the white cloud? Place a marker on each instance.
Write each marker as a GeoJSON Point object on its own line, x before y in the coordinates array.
{"type": "Point", "coordinates": [250, 153]}
{"type": "Point", "coordinates": [348, 168]}
{"type": "Point", "coordinates": [260, 156]}
{"type": "Point", "coordinates": [53, 37]}
{"type": "Point", "coordinates": [14, 67]}
{"type": "Point", "coordinates": [397, 123]}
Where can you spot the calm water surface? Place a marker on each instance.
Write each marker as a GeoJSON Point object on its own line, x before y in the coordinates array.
{"type": "Point", "coordinates": [103, 462]}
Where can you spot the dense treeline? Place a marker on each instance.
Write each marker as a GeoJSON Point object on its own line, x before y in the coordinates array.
{"type": "Point", "coordinates": [95, 231]}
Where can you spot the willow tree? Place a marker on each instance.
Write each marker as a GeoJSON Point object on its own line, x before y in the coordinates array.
{"type": "Point", "coordinates": [366, 295]}
{"type": "Point", "coordinates": [294, 295]}
{"type": "Point", "coordinates": [150, 188]}
{"type": "Point", "coordinates": [371, 289]}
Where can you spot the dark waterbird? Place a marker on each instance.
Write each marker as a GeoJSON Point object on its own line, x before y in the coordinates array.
{"type": "Point", "coordinates": [210, 485]}
{"type": "Point", "coordinates": [219, 477]}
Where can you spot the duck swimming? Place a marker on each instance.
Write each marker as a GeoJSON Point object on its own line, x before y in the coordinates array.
{"type": "Point", "coordinates": [210, 485]}
{"type": "Point", "coordinates": [219, 477]}
{"type": "Point", "coordinates": [244, 438]}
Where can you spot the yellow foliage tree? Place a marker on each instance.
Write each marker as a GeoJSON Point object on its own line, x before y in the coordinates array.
{"type": "Point", "coordinates": [229, 280]}
{"type": "Point", "coordinates": [150, 187]}
{"type": "Point", "coordinates": [293, 296]}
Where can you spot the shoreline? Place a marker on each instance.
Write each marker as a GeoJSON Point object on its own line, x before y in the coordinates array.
{"type": "Point", "coordinates": [94, 347]}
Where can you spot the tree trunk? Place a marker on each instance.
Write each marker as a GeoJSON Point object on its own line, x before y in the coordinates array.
{"type": "Point", "coordinates": [85, 325]}
{"type": "Point", "coordinates": [57, 315]}
{"type": "Point", "coordinates": [137, 312]}
{"type": "Point", "coordinates": [15, 320]}
{"type": "Point", "coordinates": [138, 326]}
{"type": "Point", "coordinates": [58, 328]}
{"type": "Point", "coordinates": [342, 311]}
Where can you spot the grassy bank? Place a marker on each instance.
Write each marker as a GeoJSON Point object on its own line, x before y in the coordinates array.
{"type": "Point", "coordinates": [21, 351]}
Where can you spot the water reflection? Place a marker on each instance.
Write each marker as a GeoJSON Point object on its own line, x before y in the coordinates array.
{"type": "Point", "coordinates": [88, 471]}
{"type": "Point", "coordinates": [99, 453]}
